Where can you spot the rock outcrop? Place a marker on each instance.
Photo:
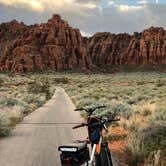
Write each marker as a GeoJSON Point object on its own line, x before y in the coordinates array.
{"type": "Point", "coordinates": [107, 48]}
{"type": "Point", "coordinates": [148, 47]}
{"type": "Point", "coordinates": [57, 46]}
{"type": "Point", "coordinates": [51, 45]}
{"type": "Point", "coordinates": [9, 32]}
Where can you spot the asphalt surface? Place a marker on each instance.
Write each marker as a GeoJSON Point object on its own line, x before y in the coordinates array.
{"type": "Point", "coordinates": [37, 144]}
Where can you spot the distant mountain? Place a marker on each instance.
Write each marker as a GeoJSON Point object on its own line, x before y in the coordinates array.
{"type": "Point", "coordinates": [55, 45]}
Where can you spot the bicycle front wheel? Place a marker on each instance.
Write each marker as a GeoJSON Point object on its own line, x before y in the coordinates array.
{"type": "Point", "coordinates": [105, 156]}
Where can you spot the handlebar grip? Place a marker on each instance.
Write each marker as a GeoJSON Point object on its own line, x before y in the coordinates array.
{"type": "Point", "coordinates": [78, 126]}
{"type": "Point", "coordinates": [113, 120]}
{"type": "Point", "coordinates": [78, 109]}
{"type": "Point", "coordinates": [102, 106]}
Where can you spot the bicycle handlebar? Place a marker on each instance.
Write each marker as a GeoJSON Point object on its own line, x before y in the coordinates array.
{"type": "Point", "coordinates": [95, 124]}
{"type": "Point", "coordinates": [110, 118]}
{"type": "Point", "coordinates": [90, 110]}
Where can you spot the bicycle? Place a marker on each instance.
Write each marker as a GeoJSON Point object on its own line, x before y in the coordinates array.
{"type": "Point", "coordinates": [77, 153]}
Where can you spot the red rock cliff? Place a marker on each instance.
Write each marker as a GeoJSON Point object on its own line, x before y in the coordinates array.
{"type": "Point", "coordinates": [123, 49]}
{"type": "Point", "coordinates": [9, 32]}
{"type": "Point", "coordinates": [107, 48]}
{"type": "Point", "coordinates": [51, 45]}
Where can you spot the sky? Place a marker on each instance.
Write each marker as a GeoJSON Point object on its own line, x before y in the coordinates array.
{"type": "Point", "coordinates": [90, 16]}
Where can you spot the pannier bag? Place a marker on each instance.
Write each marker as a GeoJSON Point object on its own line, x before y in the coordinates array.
{"type": "Point", "coordinates": [74, 154]}
{"type": "Point", "coordinates": [94, 131]}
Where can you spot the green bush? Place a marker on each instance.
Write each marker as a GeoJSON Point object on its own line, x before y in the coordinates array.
{"type": "Point", "coordinates": [146, 140]}
{"type": "Point", "coordinates": [1, 81]}
{"type": "Point", "coordinates": [63, 80]}
{"type": "Point", "coordinates": [159, 116]}
{"type": "Point", "coordinates": [9, 116]}
{"type": "Point", "coordinates": [5, 131]}
{"type": "Point", "coordinates": [38, 87]}
{"type": "Point", "coordinates": [160, 83]}
{"type": "Point", "coordinates": [11, 101]}
{"type": "Point", "coordinates": [124, 109]}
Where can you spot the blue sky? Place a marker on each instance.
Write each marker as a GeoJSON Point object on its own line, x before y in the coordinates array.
{"type": "Point", "coordinates": [136, 2]}
{"type": "Point", "coordinates": [104, 3]}
{"type": "Point", "coordinates": [90, 16]}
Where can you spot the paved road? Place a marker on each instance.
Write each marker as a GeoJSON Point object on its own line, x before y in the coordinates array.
{"type": "Point", "coordinates": [36, 145]}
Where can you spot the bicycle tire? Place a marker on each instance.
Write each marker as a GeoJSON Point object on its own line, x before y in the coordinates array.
{"type": "Point", "coordinates": [105, 157]}
{"type": "Point", "coordinates": [97, 160]}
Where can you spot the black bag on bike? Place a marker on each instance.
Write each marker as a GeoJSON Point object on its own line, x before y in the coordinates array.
{"type": "Point", "coordinates": [94, 130]}
{"type": "Point", "coordinates": [74, 154]}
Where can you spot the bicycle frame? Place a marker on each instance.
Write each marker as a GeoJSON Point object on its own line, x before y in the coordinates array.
{"type": "Point", "coordinates": [95, 149]}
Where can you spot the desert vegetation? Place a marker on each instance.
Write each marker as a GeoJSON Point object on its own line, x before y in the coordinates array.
{"type": "Point", "coordinates": [20, 95]}
{"type": "Point", "coordinates": [138, 97]}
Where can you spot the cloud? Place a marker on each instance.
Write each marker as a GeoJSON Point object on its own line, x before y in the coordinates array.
{"type": "Point", "coordinates": [89, 16]}
{"type": "Point", "coordinates": [129, 7]}
{"type": "Point", "coordinates": [34, 4]}
{"type": "Point", "coordinates": [87, 1]}
{"type": "Point", "coordinates": [142, 2]}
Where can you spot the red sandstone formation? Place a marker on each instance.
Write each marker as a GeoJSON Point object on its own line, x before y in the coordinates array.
{"type": "Point", "coordinates": [147, 47]}
{"type": "Point", "coordinates": [107, 48]}
{"type": "Point", "coordinates": [9, 32]}
{"type": "Point", "coordinates": [123, 49]}
{"type": "Point", "coordinates": [55, 45]}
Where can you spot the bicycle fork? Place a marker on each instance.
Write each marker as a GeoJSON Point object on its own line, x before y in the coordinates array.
{"type": "Point", "coordinates": [90, 162]}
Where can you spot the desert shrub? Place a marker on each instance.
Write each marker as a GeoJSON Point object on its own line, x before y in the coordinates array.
{"type": "Point", "coordinates": [11, 101]}
{"type": "Point", "coordinates": [113, 137]}
{"type": "Point", "coordinates": [1, 81]}
{"type": "Point", "coordinates": [160, 83]}
{"type": "Point", "coordinates": [36, 99]}
{"type": "Point", "coordinates": [38, 87]}
{"type": "Point", "coordinates": [132, 124]}
{"type": "Point", "coordinates": [153, 138]}
{"type": "Point", "coordinates": [133, 100]}
{"type": "Point", "coordinates": [63, 80]}
{"type": "Point", "coordinates": [123, 109]}
{"type": "Point", "coordinates": [40, 100]}
{"type": "Point", "coordinates": [147, 109]}
{"type": "Point", "coordinates": [103, 112]}
{"type": "Point", "coordinates": [148, 139]}
{"type": "Point", "coordinates": [159, 116]}
{"type": "Point", "coordinates": [8, 119]}
{"type": "Point", "coordinates": [86, 102]}
{"type": "Point", "coordinates": [5, 131]}
{"type": "Point", "coordinates": [140, 82]}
